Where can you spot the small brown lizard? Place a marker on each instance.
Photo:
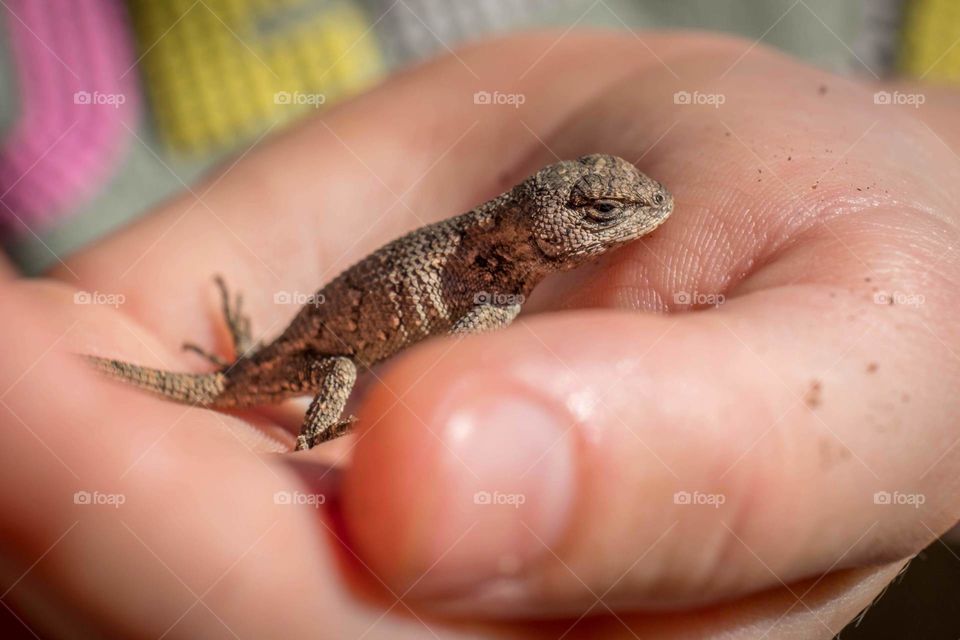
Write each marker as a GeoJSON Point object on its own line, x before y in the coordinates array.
{"type": "Point", "coordinates": [463, 275]}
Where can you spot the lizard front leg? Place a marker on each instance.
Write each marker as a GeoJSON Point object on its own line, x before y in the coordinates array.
{"type": "Point", "coordinates": [335, 379]}
{"type": "Point", "coordinates": [485, 317]}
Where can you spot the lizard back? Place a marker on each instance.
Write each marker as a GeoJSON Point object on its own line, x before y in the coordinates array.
{"type": "Point", "coordinates": [408, 290]}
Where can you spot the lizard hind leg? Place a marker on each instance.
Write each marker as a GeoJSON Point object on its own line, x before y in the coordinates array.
{"type": "Point", "coordinates": [334, 379]}
{"type": "Point", "coordinates": [238, 323]}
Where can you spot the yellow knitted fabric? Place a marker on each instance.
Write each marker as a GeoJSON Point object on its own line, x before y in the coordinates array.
{"type": "Point", "coordinates": [931, 40]}
{"type": "Point", "coordinates": [220, 71]}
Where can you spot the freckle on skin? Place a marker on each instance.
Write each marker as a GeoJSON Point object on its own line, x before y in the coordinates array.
{"type": "Point", "coordinates": [872, 367]}
{"type": "Point", "coordinates": [812, 397]}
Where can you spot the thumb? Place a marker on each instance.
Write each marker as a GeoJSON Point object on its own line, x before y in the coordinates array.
{"type": "Point", "coordinates": [645, 461]}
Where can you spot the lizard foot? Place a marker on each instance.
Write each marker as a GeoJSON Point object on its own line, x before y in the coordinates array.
{"type": "Point", "coordinates": [309, 441]}
{"type": "Point", "coordinates": [237, 322]}
{"type": "Point", "coordinates": [212, 357]}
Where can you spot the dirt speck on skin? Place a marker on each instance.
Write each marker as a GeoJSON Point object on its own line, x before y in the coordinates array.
{"type": "Point", "coordinates": [872, 367]}
{"type": "Point", "coordinates": [813, 396]}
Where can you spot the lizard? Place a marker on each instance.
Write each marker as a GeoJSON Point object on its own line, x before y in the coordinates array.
{"type": "Point", "coordinates": [463, 275]}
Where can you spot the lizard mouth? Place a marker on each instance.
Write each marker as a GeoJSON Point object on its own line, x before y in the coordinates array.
{"type": "Point", "coordinates": [662, 213]}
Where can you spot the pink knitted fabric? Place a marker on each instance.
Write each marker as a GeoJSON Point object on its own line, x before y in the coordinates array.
{"type": "Point", "coordinates": [77, 89]}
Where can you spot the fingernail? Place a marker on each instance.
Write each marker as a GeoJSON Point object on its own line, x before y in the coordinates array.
{"type": "Point", "coordinates": [505, 489]}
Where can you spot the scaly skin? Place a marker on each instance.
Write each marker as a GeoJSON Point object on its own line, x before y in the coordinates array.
{"type": "Point", "coordinates": [466, 274]}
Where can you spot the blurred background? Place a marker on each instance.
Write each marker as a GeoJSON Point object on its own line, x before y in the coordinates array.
{"type": "Point", "coordinates": [110, 106]}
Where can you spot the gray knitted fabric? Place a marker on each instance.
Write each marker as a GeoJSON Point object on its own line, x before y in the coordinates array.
{"type": "Point", "coordinates": [878, 38]}
{"type": "Point", "coordinates": [409, 30]}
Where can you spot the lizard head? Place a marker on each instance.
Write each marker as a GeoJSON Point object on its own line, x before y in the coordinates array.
{"type": "Point", "coordinates": [579, 209]}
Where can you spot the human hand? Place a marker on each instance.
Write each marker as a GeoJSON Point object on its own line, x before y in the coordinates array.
{"type": "Point", "coordinates": [792, 403]}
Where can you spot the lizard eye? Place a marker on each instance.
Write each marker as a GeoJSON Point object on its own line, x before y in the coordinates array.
{"type": "Point", "coordinates": [604, 211]}
{"type": "Point", "coordinates": [658, 198]}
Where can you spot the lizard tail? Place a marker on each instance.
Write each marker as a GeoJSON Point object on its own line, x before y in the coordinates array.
{"type": "Point", "coordinates": [201, 389]}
